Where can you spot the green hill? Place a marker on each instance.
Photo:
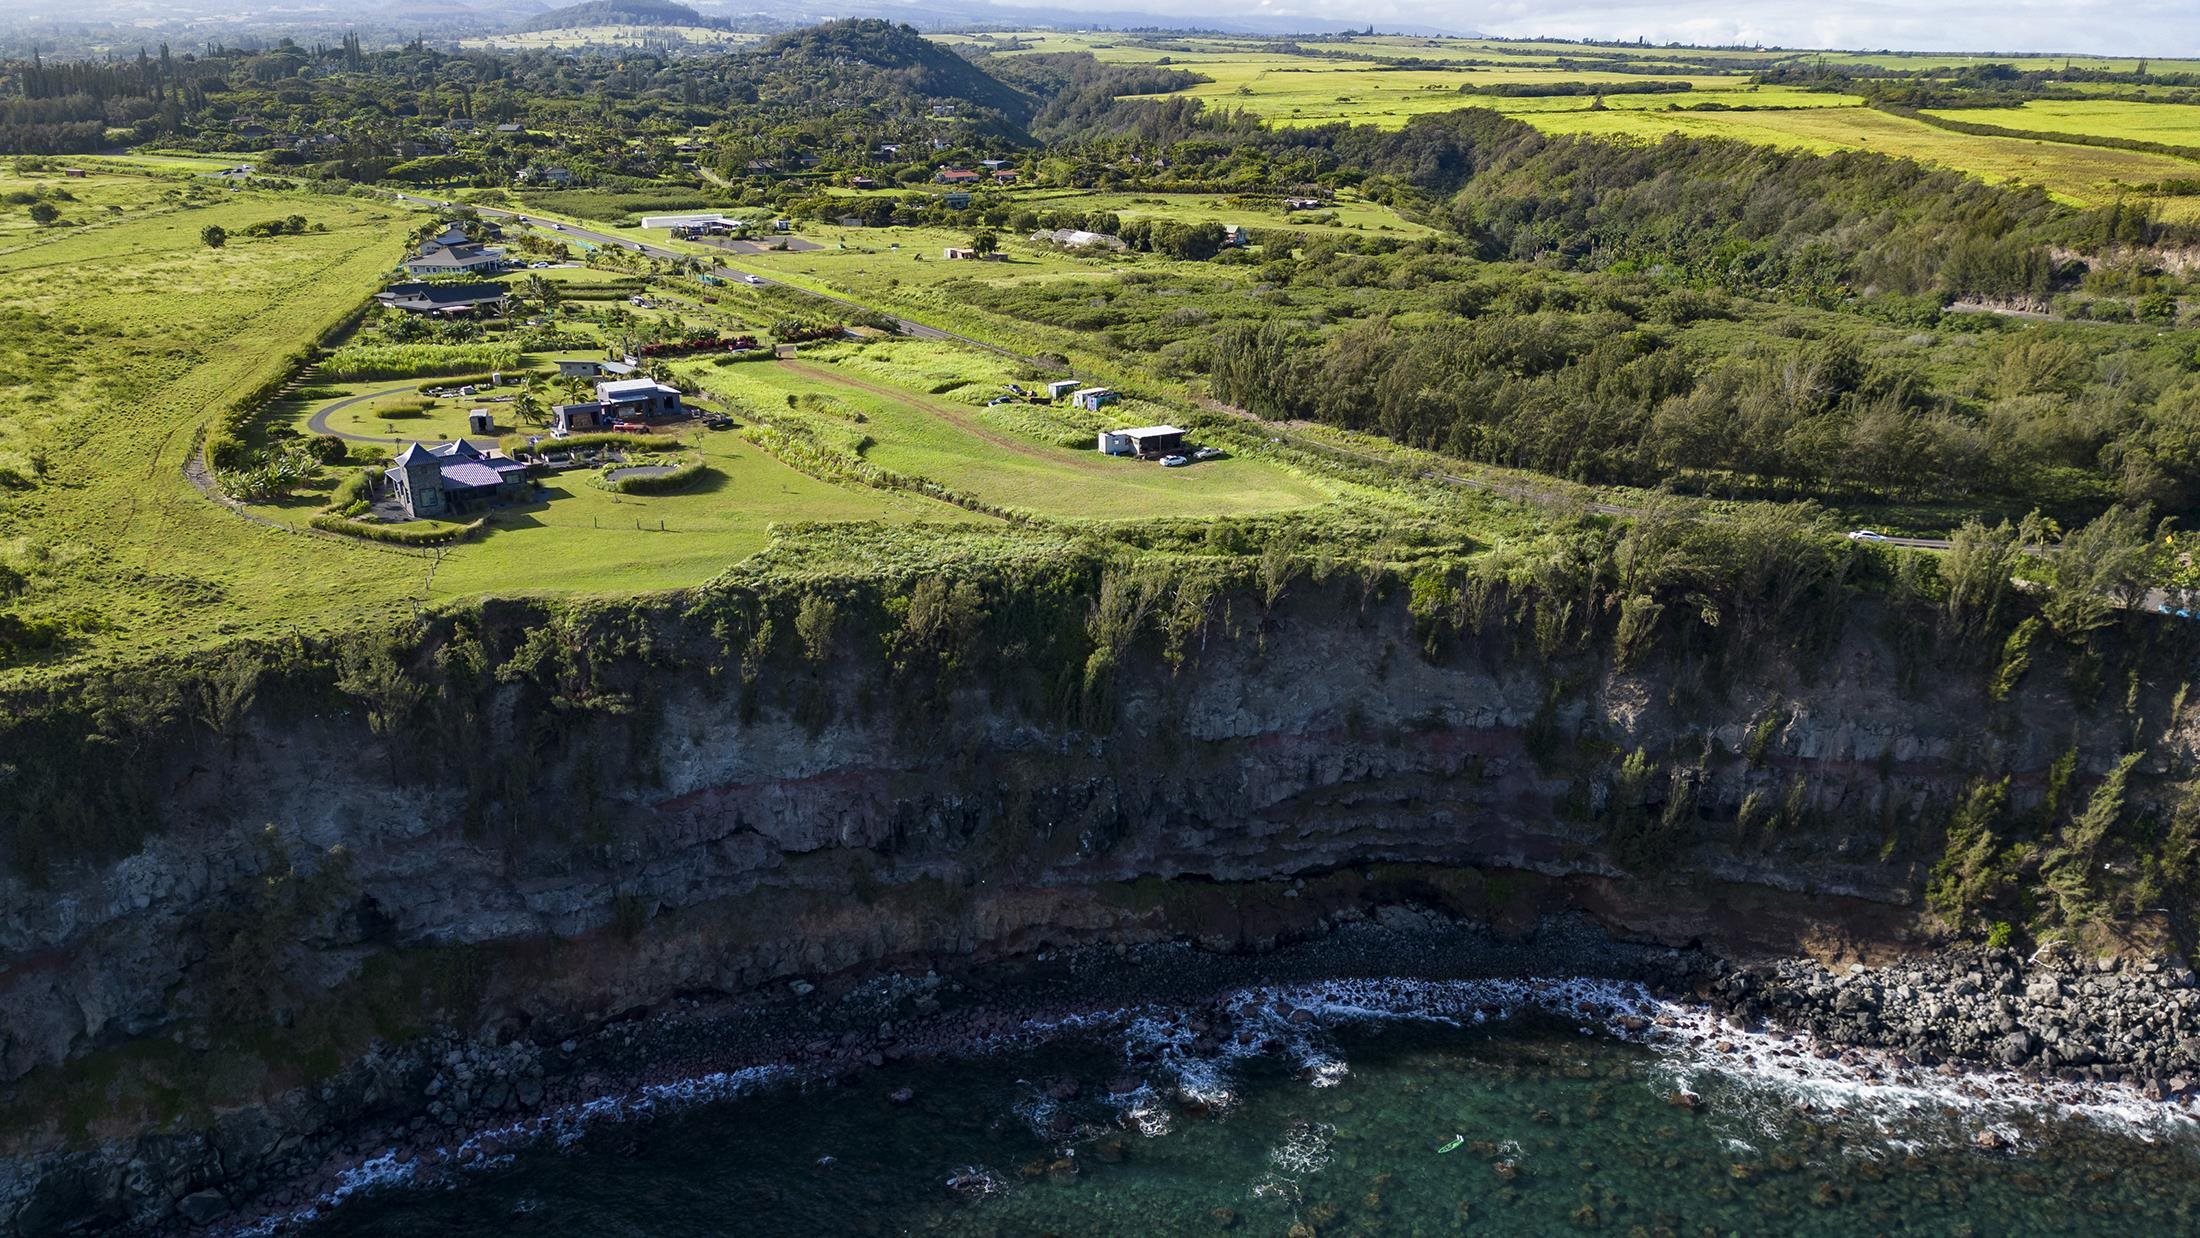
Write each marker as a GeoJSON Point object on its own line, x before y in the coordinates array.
{"type": "Point", "coordinates": [870, 62]}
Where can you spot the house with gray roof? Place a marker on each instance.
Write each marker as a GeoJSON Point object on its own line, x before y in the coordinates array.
{"type": "Point", "coordinates": [416, 298]}
{"type": "Point", "coordinates": [454, 253]}
{"type": "Point", "coordinates": [452, 479]}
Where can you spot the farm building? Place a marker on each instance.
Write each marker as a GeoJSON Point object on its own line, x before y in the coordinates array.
{"type": "Point", "coordinates": [443, 298]}
{"type": "Point", "coordinates": [452, 253]}
{"type": "Point", "coordinates": [453, 478]}
{"type": "Point", "coordinates": [1092, 399]}
{"type": "Point", "coordinates": [953, 253]}
{"type": "Point", "coordinates": [632, 399]}
{"type": "Point", "coordinates": [1061, 387]}
{"type": "Point", "coordinates": [955, 200]}
{"type": "Point", "coordinates": [1142, 441]}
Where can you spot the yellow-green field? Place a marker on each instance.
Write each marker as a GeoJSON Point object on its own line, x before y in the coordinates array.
{"type": "Point", "coordinates": [1249, 75]}
{"type": "Point", "coordinates": [2085, 175]}
{"type": "Point", "coordinates": [1182, 49]}
{"type": "Point", "coordinates": [2172, 124]}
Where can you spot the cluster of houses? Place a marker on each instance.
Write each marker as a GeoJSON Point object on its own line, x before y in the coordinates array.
{"type": "Point", "coordinates": [999, 171]}
{"type": "Point", "coordinates": [452, 252]}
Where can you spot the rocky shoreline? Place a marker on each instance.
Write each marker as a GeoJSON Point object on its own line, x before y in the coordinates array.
{"type": "Point", "coordinates": [441, 1105]}
{"type": "Point", "coordinates": [2055, 1015]}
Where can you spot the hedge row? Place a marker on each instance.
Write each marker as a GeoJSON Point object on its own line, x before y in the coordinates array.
{"type": "Point", "coordinates": [397, 534]}
{"type": "Point", "coordinates": [657, 483]}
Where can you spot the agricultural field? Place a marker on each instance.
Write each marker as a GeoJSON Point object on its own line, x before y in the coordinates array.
{"type": "Point", "coordinates": [1253, 76]}
{"type": "Point", "coordinates": [2171, 124]}
{"type": "Point", "coordinates": [1388, 98]}
{"type": "Point", "coordinates": [2084, 175]}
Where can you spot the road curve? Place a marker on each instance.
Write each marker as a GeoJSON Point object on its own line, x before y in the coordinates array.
{"type": "Point", "coordinates": [318, 422]}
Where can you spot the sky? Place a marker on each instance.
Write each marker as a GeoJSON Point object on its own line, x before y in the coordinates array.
{"type": "Point", "coordinates": [2167, 28]}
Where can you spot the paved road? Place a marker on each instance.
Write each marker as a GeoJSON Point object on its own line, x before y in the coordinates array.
{"type": "Point", "coordinates": [922, 331]}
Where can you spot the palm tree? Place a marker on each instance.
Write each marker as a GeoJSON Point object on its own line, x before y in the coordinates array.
{"type": "Point", "coordinates": [528, 407]}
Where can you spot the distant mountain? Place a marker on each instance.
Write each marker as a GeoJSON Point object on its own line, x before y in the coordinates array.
{"type": "Point", "coordinates": [616, 13]}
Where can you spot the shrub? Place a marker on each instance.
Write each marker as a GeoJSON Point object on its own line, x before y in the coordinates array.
{"type": "Point", "coordinates": [327, 449]}
{"type": "Point", "coordinates": [399, 534]}
{"type": "Point", "coordinates": [657, 483]}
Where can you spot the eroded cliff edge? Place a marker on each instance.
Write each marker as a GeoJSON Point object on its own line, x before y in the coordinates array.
{"type": "Point", "coordinates": [228, 882]}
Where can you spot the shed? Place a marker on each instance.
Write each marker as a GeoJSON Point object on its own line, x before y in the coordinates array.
{"type": "Point", "coordinates": [1061, 387]}
{"type": "Point", "coordinates": [481, 421]}
{"type": "Point", "coordinates": [1092, 399]}
{"type": "Point", "coordinates": [1142, 441]}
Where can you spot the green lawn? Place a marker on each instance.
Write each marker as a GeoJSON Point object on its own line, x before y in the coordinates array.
{"type": "Point", "coordinates": [585, 539]}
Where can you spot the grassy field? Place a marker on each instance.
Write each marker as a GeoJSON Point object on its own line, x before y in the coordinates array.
{"type": "Point", "coordinates": [923, 410]}
{"type": "Point", "coordinates": [585, 539]}
{"type": "Point", "coordinates": [124, 338]}
{"type": "Point", "coordinates": [1186, 49]}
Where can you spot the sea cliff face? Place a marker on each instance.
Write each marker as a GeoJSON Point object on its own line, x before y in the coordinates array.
{"type": "Point", "coordinates": [515, 856]}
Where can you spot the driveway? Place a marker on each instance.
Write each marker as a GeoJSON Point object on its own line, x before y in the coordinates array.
{"type": "Point", "coordinates": [318, 422]}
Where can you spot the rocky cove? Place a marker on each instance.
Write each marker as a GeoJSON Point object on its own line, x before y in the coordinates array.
{"type": "Point", "coordinates": [520, 857]}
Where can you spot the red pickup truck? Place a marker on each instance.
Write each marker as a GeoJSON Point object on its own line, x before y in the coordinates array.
{"type": "Point", "coordinates": [630, 427]}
